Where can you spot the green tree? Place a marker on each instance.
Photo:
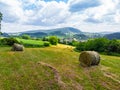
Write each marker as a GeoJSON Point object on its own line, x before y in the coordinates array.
{"type": "Point", "coordinates": [113, 46]}
{"type": "Point", "coordinates": [81, 46]}
{"type": "Point", "coordinates": [46, 44]}
{"type": "Point", "coordinates": [9, 41]}
{"type": "Point", "coordinates": [89, 45]}
{"type": "Point", "coordinates": [74, 43]}
{"type": "Point", "coordinates": [53, 40]}
{"type": "Point", "coordinates": [45, 38]}
{"type": "Point", "coordinates": [25, 36]}
{"type": "Point", "coordinates": [0, 21]}
{"type": "Point", "coordinates": [98, 44]}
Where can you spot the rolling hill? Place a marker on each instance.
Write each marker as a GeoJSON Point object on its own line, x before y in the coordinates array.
{"type": "Point", "coordinates": [113, 35]}
{"type": "Point", "coordinates": [60, 32]}
{"type": "Point", "coordinates": [35, 34]}
{"type": "Point", "coordinates": [63, 30]}
{"type": "Point", "coordinates": [66, 32]}
{"type": "Point", "coordinates": [80, 36]}
{"type": "Point", "coordinates": [55, 68]}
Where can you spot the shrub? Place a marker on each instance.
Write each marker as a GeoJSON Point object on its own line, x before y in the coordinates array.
{"type": "Point", "coordinates": [46, 44]}
{"type": "Point", "coordinates": [32, 45]}
{"type": "Point", "coordinates": [25, 36]}
{"type": "Point", "coordinates": [113, 46]}
{"type": "Point", "coordinates": [53, 40]}
{"type": "Point", "coordinates": [98, 44]}
{"type": "Point", "coordinates": [8, 41]}
{"type": "Point", "coordinates": [81, 46]}
{"type": "Point", "coordinates": [45, 39]}
{"type": "Point", "coordinates": [75, 43]}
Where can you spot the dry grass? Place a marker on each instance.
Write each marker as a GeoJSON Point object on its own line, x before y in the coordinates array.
{"type": "Point", "coordinates": [21, 71]}
{"type": "Point", "coordinates": [56, 74]}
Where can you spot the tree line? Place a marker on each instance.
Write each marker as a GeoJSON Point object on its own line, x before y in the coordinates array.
{"type": "Point", "coordinates": [100, 45]}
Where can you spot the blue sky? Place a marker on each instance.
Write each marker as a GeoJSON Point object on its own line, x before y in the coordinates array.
{"type": "Point", "coordinates": [86, 15]}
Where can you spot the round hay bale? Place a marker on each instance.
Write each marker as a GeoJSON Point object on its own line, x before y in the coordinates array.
{"type": "Point", "coordinates": [17, 47]}
{"type": "Point", "coordinates": [89, 58]}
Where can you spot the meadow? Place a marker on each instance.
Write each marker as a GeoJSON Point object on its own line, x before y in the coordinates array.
{"type": "Point", "coordinates": [55, 68]}
{"type": "Point", "coordinates": [31, 43]}
{"type": "Point", "coordinates": [118, 40]}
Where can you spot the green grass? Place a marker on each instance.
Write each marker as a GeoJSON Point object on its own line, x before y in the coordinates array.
{"type": "Point", "coordinates": [25, 41]}
{"type": "Point", "coordinates": [119, 40]}
{"type": "Point", "coordinates": [31, 43]}
{"type": "Point", "coordinates": [21, 71]}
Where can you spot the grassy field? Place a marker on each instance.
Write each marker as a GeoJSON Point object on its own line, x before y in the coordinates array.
{"type": "Point", "coordinates": [60, 70]}
{"type": "Point", "coordinates": [25, 41]}
{"type": "Point", "coordinates": [31, 43]}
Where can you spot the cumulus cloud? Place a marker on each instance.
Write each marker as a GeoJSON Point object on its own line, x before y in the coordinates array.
{"type": "Point", "coordinates": [103, 13]}
{"type": "Point", "coordinates": [79, 5]}
{"type": "Point", "coordinates": [92, 20]}
{"type": "Point", "coordinates": [34, 12]}
{"type": "Point", "coordinates": [11, 10]}
{"type": "Point", "coordinates": [51, 14]}
{"type": "Point", "coordinates": [54, 13]}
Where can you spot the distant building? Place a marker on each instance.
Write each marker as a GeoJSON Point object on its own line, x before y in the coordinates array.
{"type": "Point", "coordinates": [67, 40]}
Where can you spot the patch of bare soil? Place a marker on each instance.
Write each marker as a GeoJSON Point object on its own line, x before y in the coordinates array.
{"type": "Point", "coordinates": [57, 77]}
{"type": "Point", "coordinates": [112, 76]}
{"type": "Point", "coordinates": [56, 74]}
{"type": "Point", "coordinates": [109, 75]}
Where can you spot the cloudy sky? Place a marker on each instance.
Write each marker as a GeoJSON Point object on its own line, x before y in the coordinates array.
{"type": "Point", "coordinates": [86, 15]}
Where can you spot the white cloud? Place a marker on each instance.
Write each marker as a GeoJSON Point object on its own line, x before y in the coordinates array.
{"type": "Point", "coordinates": [52, 13]}
{"type": "Point", "coordinates": [12, 10]}
{"type": "Point", "coordinates": [105, 12]}
{"type": "Point", "coordinates": [88, 15]}
{"type": "Point", "coordinates": [15, 27]}
{"type": "Point", "coordinates": [117, 17]}
{"type": "Point", "coordinates": [35, 12]}
{"type": "Point", "coordinates": [80, 5]}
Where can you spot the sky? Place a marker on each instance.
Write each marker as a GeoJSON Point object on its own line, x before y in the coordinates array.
{"type": "Point", "coordinates": [86, 15]}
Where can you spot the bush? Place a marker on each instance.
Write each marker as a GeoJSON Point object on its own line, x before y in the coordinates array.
{"type": "Point", "coordinates": [100, 45]}
{"type": "Point", "coordinates": [8, 41]}
{"type": "Point", "coordinates": [113, 47]}
{"type": "Point", "coordinates": [75, 43]}
{"type": "Point", "coordinates": [53, 40]}
{"type": "Point", "coordinates": [81, 46]}
{"type": "Point", "coordinates": [32, 45]}
{"type": "Point", "coordinates": [45, 38]}
{"type": "Point", "coordinates": [46, 44]}
{"type": "Point", "coordinates": [25, 36]}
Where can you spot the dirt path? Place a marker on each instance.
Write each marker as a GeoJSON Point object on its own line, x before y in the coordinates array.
{"type": "Point", "coordinates": [108, 74]}
{"type": "Point", "coordinates": [56, 74]}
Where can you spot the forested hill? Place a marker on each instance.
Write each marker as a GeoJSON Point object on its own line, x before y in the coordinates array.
{"type": "Point", "coordinates": [113, 35]}
{"type": "Point", "coordinates": [60, 32]}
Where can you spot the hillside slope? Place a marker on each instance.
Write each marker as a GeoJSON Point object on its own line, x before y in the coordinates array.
{"type": "Point", "coordinates": [55, 68]}
{"type": "Point", "coordinates": [113, 35]}
{"type": "Point", "coordinates": [57, 32]}
{"type": "Point", "coordinates": [63, 30]}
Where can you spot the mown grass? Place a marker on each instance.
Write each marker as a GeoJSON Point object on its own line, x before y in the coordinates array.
{"type": "Point", "coordinates": [31, 43]}
{"type": "Point", "coordinates": [21, 71]}
{"type": "Point", "coordinates": [119, 40]}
